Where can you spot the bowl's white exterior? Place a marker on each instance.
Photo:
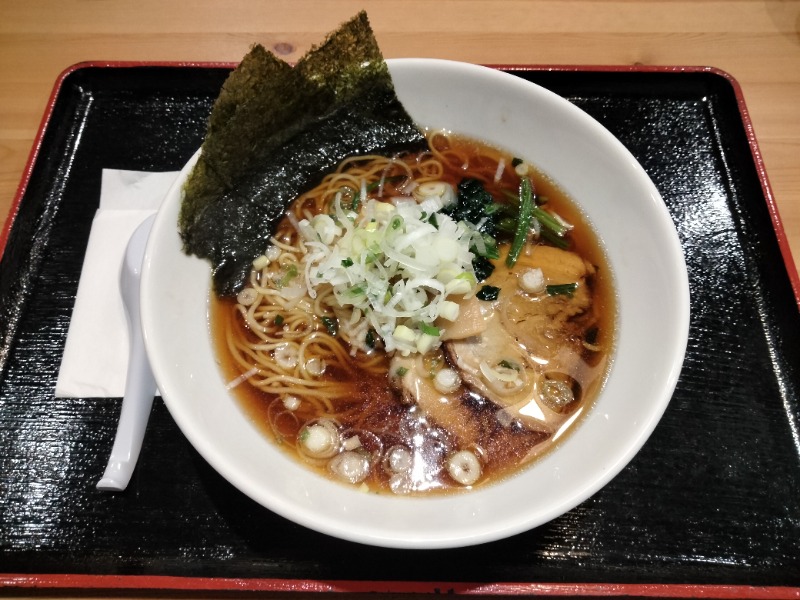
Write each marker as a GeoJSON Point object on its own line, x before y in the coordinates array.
{"type": "Point", "coordinates": [653, 304]}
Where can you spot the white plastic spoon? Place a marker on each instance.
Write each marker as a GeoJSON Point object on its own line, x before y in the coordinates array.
{"type": "Point", "coordinates": [140, 385]}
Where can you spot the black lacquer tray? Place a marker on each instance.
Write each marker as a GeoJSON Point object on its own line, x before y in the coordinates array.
{"type": "Point", "coordinates": [712, 500]}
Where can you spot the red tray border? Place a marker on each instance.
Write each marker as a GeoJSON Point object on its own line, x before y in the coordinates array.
{"type": "Point", "coordinates": [41, 582]}
{"type": "Point", "coordinates": [57, 581]}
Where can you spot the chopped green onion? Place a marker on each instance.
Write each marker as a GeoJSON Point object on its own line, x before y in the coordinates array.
{"type": "Point", "coordinates": [523, 221]}
{"type": "Point", "coordinates": [290, 274]}
{"type": "Point", "coordinates": [372, 264]}
{"type": "Point", "coordinates": [429, 329]}
{"type": "Point", "coordinates": [401, 371]}
{"type": "Point", "coordinates": [357, 290]}
{"type": "Point", "coordinates": [372, 254]}
{"type": "Point", "coordinates": [331, 324]}
{"type": "Point", "coordinates": [278, 320]}
{"type": "Point", "coordinates": [563, 289]}
{"type": "Point", "coordinates": [488, 292]}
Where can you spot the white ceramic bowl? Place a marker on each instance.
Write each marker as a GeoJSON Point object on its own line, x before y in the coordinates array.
{"type": "Point", "coordinates": [653, 303]}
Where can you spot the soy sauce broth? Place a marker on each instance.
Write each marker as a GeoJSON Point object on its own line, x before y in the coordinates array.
{"type": "Point", "coordinates": [373, 412]}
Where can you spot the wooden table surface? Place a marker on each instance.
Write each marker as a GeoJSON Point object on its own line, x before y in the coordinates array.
{"type": "Point", "coordinates": [757, 42]}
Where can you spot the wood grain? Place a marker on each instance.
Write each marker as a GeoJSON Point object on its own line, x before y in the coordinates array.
{"type": "Point", "coordinates": [756, 42]}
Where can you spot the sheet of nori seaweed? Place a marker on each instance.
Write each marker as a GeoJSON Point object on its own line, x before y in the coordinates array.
{"type": "Point", "coordinates": [275, 131]}
{"type": "Point", "coordinates": [249, 109]}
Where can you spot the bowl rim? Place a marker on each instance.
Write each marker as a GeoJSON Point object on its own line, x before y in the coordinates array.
{"type": "Point", "coordinates": [339, 523]}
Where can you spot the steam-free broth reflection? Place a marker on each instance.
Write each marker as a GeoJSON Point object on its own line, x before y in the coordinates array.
{"type": "Point", "coordinates": [386, 338]}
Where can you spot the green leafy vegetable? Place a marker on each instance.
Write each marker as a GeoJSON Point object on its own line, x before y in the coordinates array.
{"type": "Point", "coordinates": [548, 221]}
{"type": "Point", "coordinates": [488, 292]}
{"type": "Point", "coordinates": [331, 324]}
{"type": "Point", "coordinates": [473, 205]}
{"type": "Point", "coordinates": [506, 225]}
{"type": "Point", "coordinates": [523, 221]}
{"type": "Point", "coordinates": [556, 240]}
{"type": "Point", "coordinates": [369, 340]}
{"type": "Point", "coordinates": [490, 249]}
{"type": "Point", "coordinates": [562, 289]}
{"type": "Point", "coordinates": [482, 267]}
{"type": "Point", "coordinates": [552, 229]}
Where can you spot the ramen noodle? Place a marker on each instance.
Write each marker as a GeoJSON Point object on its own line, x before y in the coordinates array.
{"type": "Point", "coordinates": [422, 323]}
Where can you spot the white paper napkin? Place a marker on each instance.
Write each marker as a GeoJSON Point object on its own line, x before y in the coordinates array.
{"type": "Point", "coordinates": [95, 358]}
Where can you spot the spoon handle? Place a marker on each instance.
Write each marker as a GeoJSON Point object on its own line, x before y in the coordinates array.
{"type": "Point", "coordinates": [140, 385]}
{"type": "Point", "coordinates": [140, 389]}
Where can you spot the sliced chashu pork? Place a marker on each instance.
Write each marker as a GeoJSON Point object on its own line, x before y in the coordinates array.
{"type": "Point", "coordinates": [471, 423]}
{"type": "Point", "coordinates": [541, 322]}
{"type": "Point", "coordinates": [503, 348]}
